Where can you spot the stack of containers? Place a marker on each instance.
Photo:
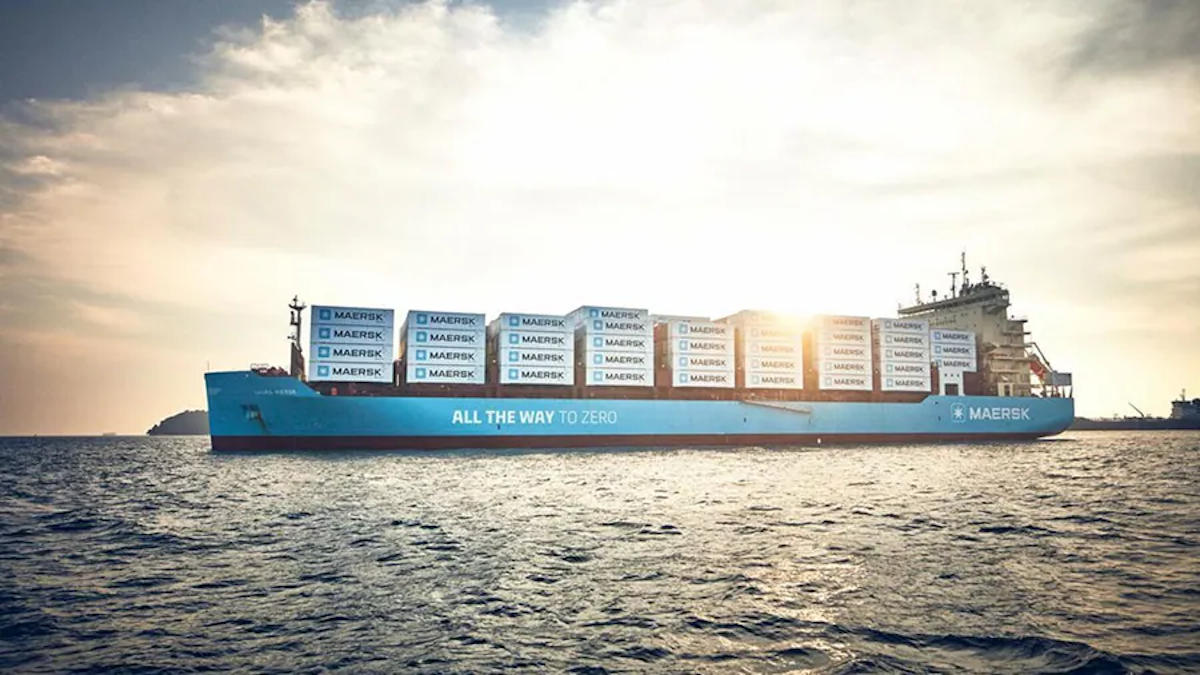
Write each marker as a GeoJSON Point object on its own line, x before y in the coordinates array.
{"type": "Point", "coordinates": [768, 350]}
{"type": "Point", "coordinates": [533, 349]}
{"type": "Point", "coordinates": [902, 349]}
{"type": "Point", "coordinates": [698, 353]}
{"type": "Point", "coordinates": [444, 348]}
{"type": "Point", "coordinates": [615, 345]}
{"type": "Point", "coordinates": [351, 344]}
{"type": "Point", "coordinates": [843, 359]}
{"type": "Point", "coordinates": [954, 353]}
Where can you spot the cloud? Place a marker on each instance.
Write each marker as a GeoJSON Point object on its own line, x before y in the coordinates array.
{"type": "Point", "coordinates": [690, 156]}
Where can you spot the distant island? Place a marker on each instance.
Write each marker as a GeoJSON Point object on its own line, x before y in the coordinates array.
{"type": "Point", "coordinates": [186, 423]}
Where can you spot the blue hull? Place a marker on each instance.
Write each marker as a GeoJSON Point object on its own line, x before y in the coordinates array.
{"type": "Point", "coordinates": [247, 411]}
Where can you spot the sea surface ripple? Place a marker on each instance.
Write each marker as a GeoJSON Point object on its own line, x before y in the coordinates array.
{"type": "Point", "coordinates": [1074, 555]}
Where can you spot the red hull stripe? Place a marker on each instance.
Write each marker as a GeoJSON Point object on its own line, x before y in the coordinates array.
{"type": "Point", "coordinates": [276, 443]}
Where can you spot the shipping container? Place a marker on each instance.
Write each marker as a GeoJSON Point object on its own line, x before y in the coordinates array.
{"type": "Point", "coordinates": [955, 363]}
{"type": "Point", "coordinates": [905, 369]}
{"type": "Point", "coordinates": [627, 360]}
{"type": "Point", "coordinates": [845, 352]}
{"type": "Point", "coordinates": [580, 315]}
{"type": "Point", "coordinates": [436, 374]}
{"type": "Point", "coordinates": [616, 343]}
{"type": "Point", "coordinates": [905, 355]}
{"type": "Point", "coordinates": [700, 346]}
{"type": "Point", "coordinates": [774, 348]}
{"type": "Point", "coordinates": [536, 375]}
{"type": "Point", "coordinates": [534, 323]}
{"type": "Point", "coordinates": [916, 326]}
{"type": "Point", "coordinates": [832, 323]}
{"type": "Point", "coordinates": [327, 371]}
{"type": "Point", "coordinates": [351, 353]}
{"type": "Point", "coordinates": [622, 377]}
{"type": "Point", "coordinates": [837, 367]}
{"type": "Point", "coordinates": [419, 337]}
{"type": "Point", "coordinates": [914, 340]}
{"type": "Point", "coordinates": [953, 336]}
{"type": "Point", "coordinates": [700, 330]}
{"type": "Point", "coordinates": [445, 321]}
{"type": "Point", "coordinates": [921, 384]}
{"type": "Point", "coordinates": [708, 378]}
{"type": "Point", "coordinates": [328, 315]}
{"type": "Point", "coordinates": [841, 337]}
{"type": "Point", "coordinates": [535, 340]}
{"type": "Point", "coordinates": [845, 382]}
{"type": "Point", "coordinates": [350, 335]}
{"type": "Point", "coordinates": [690, 362]}
{"type": "Point", "coordinates": [960, 351]}
{"type": "Point", "coordinates": [756, 379]}
{"type": "Point", "coordinates": [775, 363]}
{"type": "Point", "coordinates": [535, 357]}
{"type": "Point", "coordinates": [445, 356]}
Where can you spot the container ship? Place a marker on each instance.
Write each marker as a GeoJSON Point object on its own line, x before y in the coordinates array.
{"type": "Point", "coordinates": [957, 368]}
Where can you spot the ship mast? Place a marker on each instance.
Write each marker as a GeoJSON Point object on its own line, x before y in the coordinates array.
{"type": "Point", "coordinates": [297, 352]}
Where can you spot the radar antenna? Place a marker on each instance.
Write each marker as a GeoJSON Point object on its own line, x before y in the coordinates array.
{"type": "Point", "coordinates": [953, 283]}
{"type": "Point", "coordinates": [918, 294]}
{"type": "Point", "coordinates": [966, 284]}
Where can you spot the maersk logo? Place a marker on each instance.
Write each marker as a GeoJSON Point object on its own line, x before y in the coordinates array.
{"type": "Point", "coordinates": [598, 376]}
{"type": "Point", "coordinates": [422, 336]}
{"type": "Point", "coordinates": [683, 345]}
{"type": "Point", "coordinates": [593, 313]}
{"type": "Point", "coordinates": [1013, 413]}
{"type": "Point", "coordinates": [323, 352]}
{"type": "Point", "coordinates": [683, 362]}
{"type": "Point", "coordinates": [683, 378]}
{"type": "Point", "coordinates": [422, 319]}
{"type": "Point", "coordinates": [323, 333]}
{"type": "Point", "coordinates": [514, 339]}
{"type": "Point", "coordinates": [514, 374]}
{"type": "Point", "coordinates": [958, 412]}
{"type": "Point", "coordinates": [322, 371]}
{"type": "Point", "coordinates": [514, 321]}
{"type": "Point", "coordinates": [326, 314]}
{"type": "Point", "coordinates": [598, 342]}
{"type": "Point", "coordinates": [598, 359]}
{"type": "Point", "coordinates": [422, 354]}
{"type": "Point", "coordinates": [420, 374]}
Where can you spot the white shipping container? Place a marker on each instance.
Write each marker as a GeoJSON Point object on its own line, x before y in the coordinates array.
{"type": "Point", "coordinates": [539, 323]}
{"type": "Point", "coordinates": [724, 379]}
{"type": "Point", "coordinates": [775, 348]}
{"type": "Point", "coordinates": [350, 353]}
{"type": "Point", "coordinates": [617, 327]}
{"type": "Point", "coordinates": [914, 340]}
{"type": "Point", "coordinates": [620, 377]}
{"type": "Point", "coordinates": [914, 384]}
{"type": "Point", "coordinates": [530, 340]}
{"type": "Point", "coordinates": [764, 332]}
{"type": "Point", "coordinates": [954, 363]}
{"type": "Point", "coordinates": [618, 343]}
{"type": "Point", "coordinates": [419, 337]}
{"type": "Point", "coordinates": [582, 314]}
{"type": "Point", "coordinates": [917, 326]}
{"type": "Point", "coordinates": [773, 363]}
{"type": "Point", "coordinates": [905, 369]}
{"type": "Point", "coordinates": [841, 337]}
{"type": "Point", "coordinates": [757, 317]}
{"type": "Point", "coordinates": [446, 321]}
{"type": "Point", "coordinates": [536, 357]}
{"type": "Point", "coordinates": [953, 336]}
{"type": "Point", "coordinates": [906, 354]}
{"type": "Point", "coordinates": [845, 352]}
{"type": "Point", "coordinates": [446, 356]}
{"type": "Point", "coordinates": [832, 367]}
{"type": "Point", "coordinates": [698, 329]}
{"type": "Point", "coordinates": [702, 362]}
{"type": "Point", "coordinates": [757, 379]}
{"type": "Point", "coordinates": [444, 374]}
{"type": "Point", "coordinates": [959, 351]}
{"type": "Point", "coordinates": [830, 323]}
{"type": "Point", "coordinates": [328, 315]}
{"type": "Point", "coordinates": [844, 382]}
{"type": "Point", "coordinates": [699, 346]}
{"type": "Point", "coordinates": [351, 335]}
{"type": "Point", "coordinates": [329, 371]}
{"type": "Point", "coordinates": [536, 375]}
{"type": "Point", "coordinates": [634, 360]}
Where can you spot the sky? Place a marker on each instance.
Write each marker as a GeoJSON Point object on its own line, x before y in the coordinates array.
{"type": "Point", "coordinates": [172, 173]}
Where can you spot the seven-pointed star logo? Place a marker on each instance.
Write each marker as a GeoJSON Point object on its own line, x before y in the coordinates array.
{"type": "Point", "coordinates": [958, 412]}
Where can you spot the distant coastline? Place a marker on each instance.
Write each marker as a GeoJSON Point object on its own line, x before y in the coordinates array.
{"type": "Point", "coordinates": [186, 423]}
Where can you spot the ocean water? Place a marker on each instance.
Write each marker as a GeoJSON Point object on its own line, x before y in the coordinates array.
{"type": "Point", "coordinates": [1074, 555]}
